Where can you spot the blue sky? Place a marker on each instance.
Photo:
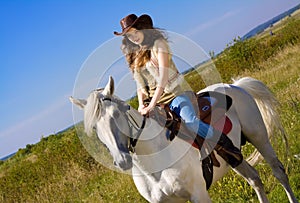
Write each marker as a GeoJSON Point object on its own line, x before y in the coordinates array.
{"type": "Point", "coordinates": [43, 45]}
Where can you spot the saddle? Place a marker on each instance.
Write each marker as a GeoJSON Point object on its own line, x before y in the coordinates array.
{"type": "Point", "coordinates": [211, 108]}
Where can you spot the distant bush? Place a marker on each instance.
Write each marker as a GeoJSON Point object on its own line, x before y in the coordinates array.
{"type": "Point", "coordinates": [133, 102]}
{"type": "Point", "coordinates": [248, 54]}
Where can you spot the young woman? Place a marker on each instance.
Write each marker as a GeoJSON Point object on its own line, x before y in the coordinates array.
{"type": "Point", "coordinates": [149, 58]}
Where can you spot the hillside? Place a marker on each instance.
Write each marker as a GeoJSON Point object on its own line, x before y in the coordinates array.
{"type": "Point", "coordinates": [58, 168]}
{"type": "Point", "coordinates": [270, 23]}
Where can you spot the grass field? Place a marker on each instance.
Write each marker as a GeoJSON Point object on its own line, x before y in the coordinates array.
{"type": "Point", "coordinates": [58, 168]}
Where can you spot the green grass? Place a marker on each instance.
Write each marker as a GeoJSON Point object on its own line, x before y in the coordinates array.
{"type": "Point", "coordinates": [59, 169]}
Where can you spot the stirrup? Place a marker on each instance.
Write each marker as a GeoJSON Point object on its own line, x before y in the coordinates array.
{"type": "Point", "coordinates": [232, 158]}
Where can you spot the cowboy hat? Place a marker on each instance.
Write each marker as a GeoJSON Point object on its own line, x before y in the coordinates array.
{"type": "Point", "coordinates": [131, 20]}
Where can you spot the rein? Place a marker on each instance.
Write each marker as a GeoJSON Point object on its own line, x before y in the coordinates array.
{"type": "Point", "coordinates": [133, 141]}
{"type": "Point", "coordinates": [131, 122]}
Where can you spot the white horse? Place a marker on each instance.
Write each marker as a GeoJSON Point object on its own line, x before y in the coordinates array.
{"type": "Point", "coordinates": [165, 171]}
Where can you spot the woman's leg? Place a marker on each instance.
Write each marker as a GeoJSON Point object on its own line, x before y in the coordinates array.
{"type": "Point", "coordinates": [183, 107]}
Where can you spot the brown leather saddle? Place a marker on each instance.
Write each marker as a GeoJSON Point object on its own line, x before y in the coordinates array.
{"type": "Point", "coordinates": [211, 108]}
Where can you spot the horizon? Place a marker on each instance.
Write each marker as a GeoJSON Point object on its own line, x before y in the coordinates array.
{"type": "Point", "coordinates": [45, 45]}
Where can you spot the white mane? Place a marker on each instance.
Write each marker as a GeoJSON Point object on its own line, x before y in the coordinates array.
{"type": "Point", "coordinates": [92, 112]}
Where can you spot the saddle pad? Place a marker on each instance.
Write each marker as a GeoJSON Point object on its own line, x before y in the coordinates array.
{"type": "Point", "coordinates": [223, 125]}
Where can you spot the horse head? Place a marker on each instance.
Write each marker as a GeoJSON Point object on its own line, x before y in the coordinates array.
{"type": "Point", "coordinates": [107, 114]}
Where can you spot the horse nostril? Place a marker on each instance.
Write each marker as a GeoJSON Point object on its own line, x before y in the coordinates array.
{"type": "Point", "coordinates": [115, 163]}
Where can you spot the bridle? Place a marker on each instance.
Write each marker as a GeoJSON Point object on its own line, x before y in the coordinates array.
{"type": "Point", "coordinates": [125, 108]}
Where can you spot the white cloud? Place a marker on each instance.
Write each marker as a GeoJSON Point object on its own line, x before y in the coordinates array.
{"type": "Point", "coordinates": [211, 23]}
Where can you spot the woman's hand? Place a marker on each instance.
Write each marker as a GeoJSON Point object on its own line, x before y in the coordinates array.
{"type": "Point", "coordinates": [142, 106]}
{"type": "Point", "coordinates": [145, 109]}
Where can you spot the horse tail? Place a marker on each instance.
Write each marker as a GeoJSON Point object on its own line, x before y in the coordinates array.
{"type": "Point", "coordinates": [267, 105]}
{"type": "Point", "coordinates": [91, 113]}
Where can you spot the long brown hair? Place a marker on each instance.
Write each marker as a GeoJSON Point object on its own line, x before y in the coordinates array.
{"type": "Point", "coordinates": [137, 56]}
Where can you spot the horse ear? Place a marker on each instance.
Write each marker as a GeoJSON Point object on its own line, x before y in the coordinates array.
{"type": "Point", "coordinates": [110, 87]}
{"type": "Point", "coordinates": [78, 102]}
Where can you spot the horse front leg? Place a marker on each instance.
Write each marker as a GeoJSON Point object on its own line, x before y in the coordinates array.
{"type": "Point", "coordinates": [197, 191]}
{"type": "Point", "coordinates": [252, 177]}
{"type": "Point", "coordinates": [200, 198]}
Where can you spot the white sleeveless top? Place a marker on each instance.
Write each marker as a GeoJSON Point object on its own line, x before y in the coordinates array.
{"type": "Point", "coordinates": [149, 76]}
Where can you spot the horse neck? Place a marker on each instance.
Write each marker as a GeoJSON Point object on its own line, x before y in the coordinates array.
{"type": "Point", "coordinates": [154, 152]}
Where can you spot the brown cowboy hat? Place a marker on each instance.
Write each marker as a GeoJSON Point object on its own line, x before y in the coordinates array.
{"type": "Point", "coordinates": [131, 20]}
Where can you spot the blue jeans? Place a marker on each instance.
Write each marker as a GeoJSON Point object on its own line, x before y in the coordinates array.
{"type": "Point", "coordinates": [183, 107]}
